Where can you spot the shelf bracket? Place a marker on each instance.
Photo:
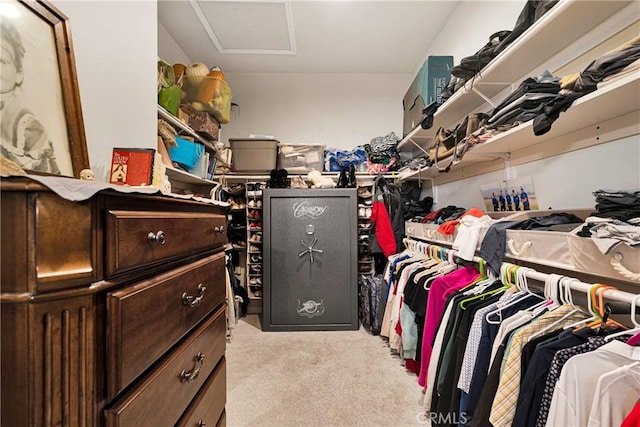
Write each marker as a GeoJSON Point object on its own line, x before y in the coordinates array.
{"type": "Point", "coordinates": [419, 147]}
{"type": "Point", "coordinates": [506, 157]}
{"type": "Point", "coordinates": [483, 96]}
{"type": "Point", "coordinates": [434, 190]}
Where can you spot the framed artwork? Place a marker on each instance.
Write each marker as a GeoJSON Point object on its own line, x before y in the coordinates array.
{"type": "Point", "coordinates": [41, 125]}
{"type": "Point", "coordinates": [513, 195]}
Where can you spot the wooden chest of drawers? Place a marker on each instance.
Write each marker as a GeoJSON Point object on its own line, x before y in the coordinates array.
{"type": "Point", "coordinates": [112, 309]}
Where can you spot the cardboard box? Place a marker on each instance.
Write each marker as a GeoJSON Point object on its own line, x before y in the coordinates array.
{"type": "Point", "coordinates": [205, 125]}
{"type": "Point", "coordinates": [132, 166]}
{"type": "Point", "coordinates": [183, 115]}
{"type": "Point", "coordinates": [426, 88]}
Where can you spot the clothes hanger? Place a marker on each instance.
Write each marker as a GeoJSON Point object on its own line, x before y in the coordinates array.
{"type": "Point", "coordinates": [563, 283]}
{"type": "Point", "coordinates": [605, 312]}
{"type": "Point", "coordinates": [590, 309]}
{"type": "Point", "coordinates": [522, 294]}
{"type": "Point", "coordinates": [634, 322]}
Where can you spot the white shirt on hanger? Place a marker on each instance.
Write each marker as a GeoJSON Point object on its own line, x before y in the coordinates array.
{"type": "Point", "coordinates": [573, 396]}
{"type": "Point", "coordinates": [616, 394]}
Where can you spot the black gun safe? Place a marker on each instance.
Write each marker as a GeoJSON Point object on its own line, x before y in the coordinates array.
{"type": "Point", "coordinates": [310, 260]}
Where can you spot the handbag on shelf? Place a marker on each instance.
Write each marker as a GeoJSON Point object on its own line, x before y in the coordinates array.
{"type": "Point", "coordinates": [451, 143]}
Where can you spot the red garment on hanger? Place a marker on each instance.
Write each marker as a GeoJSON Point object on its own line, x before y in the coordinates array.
{"type": "Point", "coordinates": [633, 419]}
{"type": "Point", "coordinates": [384, 231]}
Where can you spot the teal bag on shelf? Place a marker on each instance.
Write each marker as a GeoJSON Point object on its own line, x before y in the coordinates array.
{"type": "Point", "coordinates": [186, 153]}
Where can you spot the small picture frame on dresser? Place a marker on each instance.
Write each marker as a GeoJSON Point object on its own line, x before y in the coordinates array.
{"type": "Point", "coordinates": [41, 125]}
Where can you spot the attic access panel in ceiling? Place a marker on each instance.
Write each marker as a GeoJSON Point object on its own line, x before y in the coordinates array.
{"type": "Point", "coordinates": [248, 27]}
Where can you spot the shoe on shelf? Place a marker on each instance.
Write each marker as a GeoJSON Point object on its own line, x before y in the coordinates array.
{"type": "Point", "coordinates": [255, 225]}
{"type": "Point", "coordinates": [251, 204]}
{"type": "Point", "coordinates": [256, 259]}
{"type": "Point", "coordinates": [364, 268]}
{"type": "Point", "coordinates": [254, 249]}
{"type": "Point", "coordinates": [364, 193]}
{"type": "Point", "coordinates": [259, 204]}
{"type": "Point", "coordinates": [362, 212]}
{"type": "Point", "coordinates": [256, 237]}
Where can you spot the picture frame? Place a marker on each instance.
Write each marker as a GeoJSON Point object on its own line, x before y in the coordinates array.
{"type": "Point", "coordinates": [41, 124]}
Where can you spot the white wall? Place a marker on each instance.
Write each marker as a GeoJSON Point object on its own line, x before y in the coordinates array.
{"type": "Point", "coordinates": [338, 110]}
{"type": "Point", "coordinates": [115, 46]}
{"type": "Point", "coordinates": [561, 182]}
{"type": "Point", "coordinates": [168, 49]}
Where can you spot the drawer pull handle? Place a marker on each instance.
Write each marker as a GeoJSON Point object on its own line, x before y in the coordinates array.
{"type": "Point", "coordinates": [201, 423]}
{"type": "Point", "coordinates": [192, 375]}
{"type": "Point", "coordinates": [157, 238]}
{"type": "Point", "coordinates": [194, 300]}
{"type": "Point", "coordinates": [219, 229]}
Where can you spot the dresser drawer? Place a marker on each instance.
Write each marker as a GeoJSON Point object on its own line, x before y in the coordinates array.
{"type": "Point", "coordinates": [162, 396]}
{"type": "Point", "coordinates": [208, 406]}
{"type": "Point", "coordinates": [135, 238]}
{"type": "Point", "coordinates": [222, 422]}
{"type": "Point", "coordinates": [146, 319]}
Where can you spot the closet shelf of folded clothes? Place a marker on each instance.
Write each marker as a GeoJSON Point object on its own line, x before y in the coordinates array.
{"type": "Point", "coordinates": [612, 106]}
{"type": "Point", "coordinates": [535, 50]}
{"type": "Point", "coordinates": [614, 100]}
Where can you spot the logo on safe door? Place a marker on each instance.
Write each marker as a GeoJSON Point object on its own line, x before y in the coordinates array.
{"type": "Point", "coordinates": [308, 211]}
{"type": "Point", "coordinates": [311, 308]}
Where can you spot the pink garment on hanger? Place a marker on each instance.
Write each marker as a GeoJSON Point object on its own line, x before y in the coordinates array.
{"type": "Point", "coordinates": [440, 289]}
{"type": "Point", "coordinates": [634, 340]}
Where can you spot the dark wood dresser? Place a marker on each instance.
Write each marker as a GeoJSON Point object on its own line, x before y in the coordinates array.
{"type": "Point", "coordinates": [112, 309]}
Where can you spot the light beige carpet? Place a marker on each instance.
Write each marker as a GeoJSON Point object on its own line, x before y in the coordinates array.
{"type": "Point", "coordinates": [345, 378]}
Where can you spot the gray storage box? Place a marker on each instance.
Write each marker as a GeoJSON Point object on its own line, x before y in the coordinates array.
{"type": "Point", "coordinates": [426, 88]}
{"type": "Point", "coordinates": [303, 290]}
{"type": "Point", "coordinates": [253, 154]}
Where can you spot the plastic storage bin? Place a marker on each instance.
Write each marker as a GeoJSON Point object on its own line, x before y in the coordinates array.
{"type": "Point", "coordinates": [253, 155]}
{"type": "Point", "coordinates": [298, 158]}
{"type": "Point", "coordinates": [210, 94]}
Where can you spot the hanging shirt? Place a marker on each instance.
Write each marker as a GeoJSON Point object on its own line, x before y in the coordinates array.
{"type": "Point", "coordinates": [615, 396]}
{"type": "Point", "coordinates": [438, 292]}
{"type": "Point", "coordinates": [573, 395]}
{"type": "Point", "coordinates": [504, 404]}
{"type": "Point", "coordinates": [535, 376]}
{"type": "Point", "coordinates": [560, 358]}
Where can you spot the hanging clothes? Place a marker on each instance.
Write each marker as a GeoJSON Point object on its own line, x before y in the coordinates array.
{"type": "Point", "coordinates": [574, 393]}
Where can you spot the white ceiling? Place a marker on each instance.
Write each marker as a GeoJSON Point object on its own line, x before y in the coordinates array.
{"type": "Point", "coordinates": [305, 36]}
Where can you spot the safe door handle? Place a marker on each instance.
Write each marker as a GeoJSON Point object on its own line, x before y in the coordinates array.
{"type": "Point", "coordinates": [194, 300]}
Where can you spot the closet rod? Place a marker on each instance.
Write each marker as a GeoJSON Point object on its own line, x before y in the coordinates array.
{"type": "Point", "coordinates": [578, 286]}
{"type": "Point", "coordinates": [613, 295]}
